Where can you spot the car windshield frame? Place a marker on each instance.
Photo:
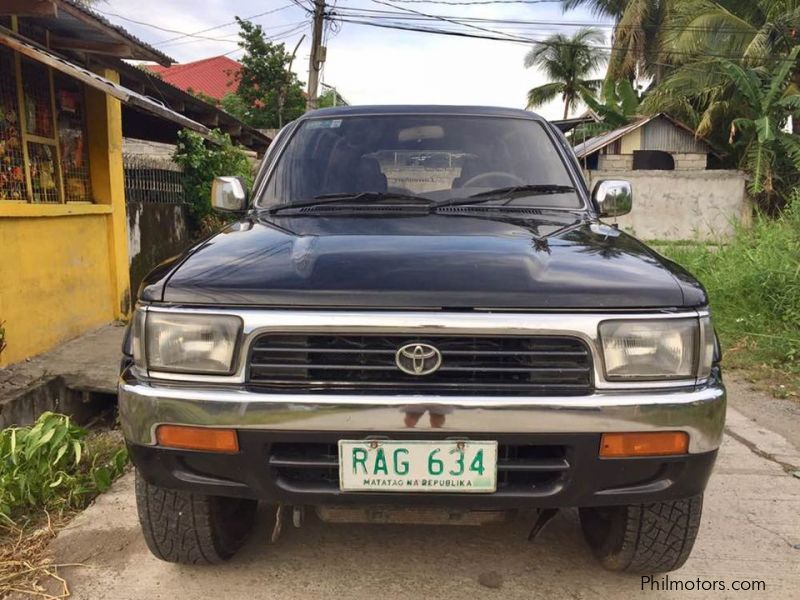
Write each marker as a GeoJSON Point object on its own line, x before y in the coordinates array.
{"type": "Point", "coordinates": [287, 135]}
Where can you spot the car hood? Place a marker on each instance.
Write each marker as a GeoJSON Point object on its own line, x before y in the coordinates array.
{"type": "Point", "coordinates": [554, 260]}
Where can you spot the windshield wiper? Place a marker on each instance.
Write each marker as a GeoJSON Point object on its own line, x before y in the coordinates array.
{"type": "Point", "coordinates": [356, 197]}
{"type": "Point", "coordinates": [508, 193]}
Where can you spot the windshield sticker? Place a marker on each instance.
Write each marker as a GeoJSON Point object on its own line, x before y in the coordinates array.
{"type": "Point", "coordinates": [324, 124]}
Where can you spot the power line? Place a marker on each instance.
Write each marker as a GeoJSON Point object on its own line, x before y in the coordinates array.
{"type": "Point", "coordinates": [441, 18]}
{"type": "Point", "coordinates": [144, 24]}
{"type": "Point", "coordinates": [506, 36]}
{"type": "Point", "coordinates": [183, 34]}
{"type": "Point", "coordinates": [478, 2]}
{"type": "Point", "coordinates": [502, 37]}
{"type": "Point", "coordinates": [235, 38]}
{"type": "Point", "coordinates": [418, 16]}
{"type": "Point", "coordinates": [256, 16]}
{"type": "Point", "coordinates": [278, 37]}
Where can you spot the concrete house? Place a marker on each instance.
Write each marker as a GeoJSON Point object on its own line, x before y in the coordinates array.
{"type": "Point", "coordinates": [678, 194]}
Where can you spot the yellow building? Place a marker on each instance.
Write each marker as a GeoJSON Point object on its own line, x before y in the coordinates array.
{"type": "Point", "coordinates": [63, 241]}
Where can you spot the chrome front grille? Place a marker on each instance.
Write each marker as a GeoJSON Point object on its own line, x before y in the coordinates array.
{"type": "Point", "coordinates": [531, 365]}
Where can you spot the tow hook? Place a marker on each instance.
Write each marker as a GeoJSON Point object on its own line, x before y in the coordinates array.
{"type": "Point", "coordinates": [545, 516]}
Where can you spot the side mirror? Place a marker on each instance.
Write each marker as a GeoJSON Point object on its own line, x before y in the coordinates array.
{"type": "Point", "coordinates": [614, 197]}
{"type": "Point", "coordinates": [227, 194]}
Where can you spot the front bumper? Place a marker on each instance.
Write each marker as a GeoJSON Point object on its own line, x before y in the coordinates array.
{"type": "Point", "coordinates": [567, 427]}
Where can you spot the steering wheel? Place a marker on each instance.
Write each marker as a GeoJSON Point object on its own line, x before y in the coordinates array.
{"type": "Point", "coordinates": [481, 176]}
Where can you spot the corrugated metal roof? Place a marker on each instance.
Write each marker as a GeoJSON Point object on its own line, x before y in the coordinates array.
{"type": "Point", "coordinates": [604, 139]}
{"type": "Point", "coordinates": [71, 21]}
{"type": "Point", "coordinates": [94, 80]}
{"type": "Point", "coordinates": [215, 77]}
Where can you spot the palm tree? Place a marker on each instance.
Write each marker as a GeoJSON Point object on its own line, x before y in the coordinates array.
{"type": "Point", "coordinates": [753, 31]}
{"type": "Point", "coordinates": [748, 29]}
{"type": "Point", "coordinates": [637, 44]}
{"type": "Point", "coordinates": [568, 63]}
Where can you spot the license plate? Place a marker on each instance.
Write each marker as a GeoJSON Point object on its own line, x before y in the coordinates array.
{"type": "Point", "coordinates": [449, 466]}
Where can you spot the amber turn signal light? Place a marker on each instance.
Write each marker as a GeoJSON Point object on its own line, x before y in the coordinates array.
{"type": "Point", "coordinates": [198, 438]}
{"type": "Point", "coordinates": [651, 443]}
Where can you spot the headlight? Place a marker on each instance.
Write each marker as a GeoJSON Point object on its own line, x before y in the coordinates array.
{"type": "Point", "coordinates": [183, 343]}
{"type": "Point", "coordinates": [654, 349]}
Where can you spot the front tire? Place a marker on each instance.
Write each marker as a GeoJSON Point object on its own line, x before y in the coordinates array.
{"type": "Point", "coordinates": [643, 538]}
{"type": "Point", "coordinates": [182, 527]}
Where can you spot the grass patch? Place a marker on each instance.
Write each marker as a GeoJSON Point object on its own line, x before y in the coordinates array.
{"type": "Point", "coordinates": [48, 472]}
{"type": "Point", "coordinates": [753, 282]}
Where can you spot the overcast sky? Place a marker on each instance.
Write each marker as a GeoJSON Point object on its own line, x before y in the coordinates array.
{"type": "Point", "coordinates": [367, 65]}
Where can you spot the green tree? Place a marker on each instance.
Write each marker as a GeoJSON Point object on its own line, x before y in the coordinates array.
{"type": "Point", "coordinates": [270, 92]}
{"type": "Point", "coordinates": [330, 97]}
{"type": "Point", "coordinates": [638, 40]}
{"type": "Point", "coordinates": [203, 160]}
{"type": "Point", "coordinates": [233, 104]}
{"type": "Point", "coordinates": [568, 62]}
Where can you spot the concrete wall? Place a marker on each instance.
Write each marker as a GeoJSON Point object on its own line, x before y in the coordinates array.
{"type": "Point", "coordinates": [155, 232]}
{"type": "Point", "coordinates": [684, 161]}
{"type": "Point", "coordinates": [55, 278]}
{"type": "Point", "coordinates": [681, 205]}
{"type": "Point", "coordinates": [615, 162]}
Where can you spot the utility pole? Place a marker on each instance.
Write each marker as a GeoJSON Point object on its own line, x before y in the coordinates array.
{"type": "Point", "coordinates": [317, 54]}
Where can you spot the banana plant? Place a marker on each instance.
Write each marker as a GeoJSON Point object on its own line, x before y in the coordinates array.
{"type": "Point", "coordinates": [767, 99]}
{"type": "Point", "coordinates": [619, 106]}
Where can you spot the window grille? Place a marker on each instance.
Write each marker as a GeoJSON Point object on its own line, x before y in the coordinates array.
{"type": "Point", "coordinates": [71, 115]}
{"type": "Point", "coordinates": [153, 180]}
{"type": "Point", "coordinates": [12, 164]}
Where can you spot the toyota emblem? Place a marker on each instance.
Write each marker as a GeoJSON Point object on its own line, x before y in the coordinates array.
{"type": "Point", "coordinates": [418, 359]}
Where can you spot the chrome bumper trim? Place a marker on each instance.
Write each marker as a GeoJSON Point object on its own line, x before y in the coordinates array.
{"type": "Point", "coordinates": [699, 412]}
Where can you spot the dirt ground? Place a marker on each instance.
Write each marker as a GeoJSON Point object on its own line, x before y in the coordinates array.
{"type": "Point", "coordinates": [781, 415]}
{"type": "Point", "coordinates": [750, 531]}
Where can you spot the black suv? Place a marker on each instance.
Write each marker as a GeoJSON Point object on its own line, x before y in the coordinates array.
{"type": "Point", "coordinates": [420, 308]}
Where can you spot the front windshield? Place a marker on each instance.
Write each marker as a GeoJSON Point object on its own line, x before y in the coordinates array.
{"type": "Point", "coordinates": [437, 157]}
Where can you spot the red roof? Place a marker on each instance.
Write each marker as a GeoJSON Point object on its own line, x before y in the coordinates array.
{"type": "Point", "coordinates": [214, 77]}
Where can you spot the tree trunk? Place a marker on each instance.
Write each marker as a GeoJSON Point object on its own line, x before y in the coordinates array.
{"type": "Point", "coordinates": [567, 100]}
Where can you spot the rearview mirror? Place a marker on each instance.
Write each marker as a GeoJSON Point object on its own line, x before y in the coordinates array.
{"type": "Point", "coordinates": [614, 197]}
{"type": "Point", "coordinates": [227, 194]}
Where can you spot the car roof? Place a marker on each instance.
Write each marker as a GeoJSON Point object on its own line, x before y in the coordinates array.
{"type": "Point", "coordinates": [422, 109]}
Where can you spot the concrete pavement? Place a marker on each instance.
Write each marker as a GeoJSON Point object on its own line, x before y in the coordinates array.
{"type": "Point", "coordinates": [750, 531]}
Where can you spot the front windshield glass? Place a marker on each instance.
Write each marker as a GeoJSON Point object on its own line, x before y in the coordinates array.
{"type": "Point", "coordinates": [437, 157]}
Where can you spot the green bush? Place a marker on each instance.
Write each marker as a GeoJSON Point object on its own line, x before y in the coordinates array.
{"type": "Point", "coordinates": [201, 161]}
{"type": "Point", "coordinates": [753, 283]}
{"type": "Point", "coordinates": [53, 465]}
